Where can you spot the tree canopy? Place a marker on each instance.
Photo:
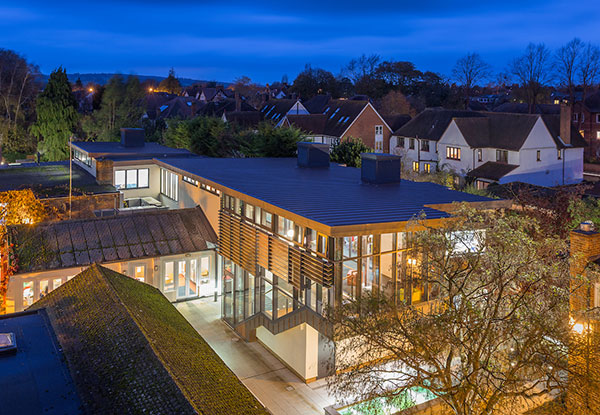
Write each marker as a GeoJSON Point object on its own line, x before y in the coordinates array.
{"type": "Point", "coordinates": [170, 84]}
{"type": "Point", "coordinates": [57, 117]}
{"type": "Point", "coordinates": [348, 151]}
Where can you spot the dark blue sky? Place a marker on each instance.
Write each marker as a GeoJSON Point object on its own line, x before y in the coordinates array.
{"type": "Point", "coordinates": [264, 40]}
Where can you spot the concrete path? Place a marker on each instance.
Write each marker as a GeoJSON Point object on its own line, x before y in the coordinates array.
{"type": "Point", "coordinates": [281, 391]}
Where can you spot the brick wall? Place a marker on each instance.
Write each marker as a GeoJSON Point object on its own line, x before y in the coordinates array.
{"type": "Point", "coordinates": [364, 128]}
{"type": "Point", "coordinates": [104, 171]}
{"type": "Point", "coordinates": [83, 206]}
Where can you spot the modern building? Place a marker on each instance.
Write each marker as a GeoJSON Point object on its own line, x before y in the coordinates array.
{"type": "Point", "coordinates": [172, 250]}
{"type": "Point", "coordinates": [299, 235]}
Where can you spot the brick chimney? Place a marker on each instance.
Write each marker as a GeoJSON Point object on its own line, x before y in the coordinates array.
{"type": "Point", "coordinates": [585, 247]}
{"type": "Point", "coordinates": [238, 102]}
{"type": "Point", "coordinates": [566, 116]}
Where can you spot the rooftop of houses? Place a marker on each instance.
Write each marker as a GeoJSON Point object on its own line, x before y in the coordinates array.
{"type": "Point", "coordinates": [217, 108]}
{"type": "Point", "coordinates": [333, 121]}
{"type": "Point", "coordinates": [317, 104]}
{"type": "Point", "coordinates": [50, 179]}
{"type": "Point", "coordinates": [396, 121]}
{"type": "Point", "coordinates": [243, 118]}
{"type": "Point", "coordinates": [518, 108]}
{"type": "Point", "coordinates": [592, 102]}
{"type": "Point", "coordinates": [333, 196]}
{"type": "Point", "coordinates": [492, 170]}
{"type": "Point", "coordinates": [431, 123]}
{"type": "Point", "coordinates": [130, 351]}
{"type": "Point", "coordinates": [276, 109]}
{"type": "Point", "coordinates": [83, 242]}
{"type": "Point", "coordinates": [35, 378]}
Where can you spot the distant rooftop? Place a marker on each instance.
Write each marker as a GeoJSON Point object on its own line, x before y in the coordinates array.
{"type": "Point", "coordinates": [35, 379]}
{"type": "Point", "coordinates": [131, 352]}
{"type": "Point", "coordinates": [333, 197]}
{"type": "Point", "coordinates": [113, 149]}
{"type": "Point", "coordinates": [50, 179]}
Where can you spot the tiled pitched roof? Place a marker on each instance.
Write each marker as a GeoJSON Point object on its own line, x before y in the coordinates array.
{"type": "Point", "coordinates": [592, 102]}
{"type": "Point", "coordinates": [309, 123]}
{"type": "Point", "coordinates": [82, 242]}
{"type": "Point", "coordinates": [340, 114]}
{"type": "Point", "coordinates": [317, 104]}
{"type": "Point", "coordinates": [130, 351]}
{"type": "Point", "coordinates": [492, 170]}
{"type": "Point", "coordinates": [276, 109]}
{"type": "Point", "coordinates": [517, 108]}
{"type": "Point", "coordinates": [431, 123]}
{"type": "Point", "coordinates": [244, 118]}
{"type": "Point", "coordinates": [217, 108]}
{"type": "Point", "coordinates": [396, 121]}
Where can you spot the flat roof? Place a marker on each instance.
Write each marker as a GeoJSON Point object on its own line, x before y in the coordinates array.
{"type": "Point", "coordinates": [50, 179]}
{"type": "Point", "coordinates": [109, 149]}
{"type": "Point", "coordinates": [36, 379]}
{"type": "Point", "coordinates": [333, 197]}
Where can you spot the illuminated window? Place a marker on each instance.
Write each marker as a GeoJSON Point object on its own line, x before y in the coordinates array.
{"type": "Point", "coordinates": [27, 293]}
{"type": "Point", "coordinates": [558, 155]}
{"type": "Point", "coordinates": [139, 272]}
{"type": "Point", "coordinates": [169, 184]}
{"type": "Point", "coordinates": [321, 244]}
{"type": "Point", "coordinates": [453, 153]}
{"type": "Point", "coordinates": [427, 167]}
{"type": "Point", "coordinates": [57, 282]}
{"type": "Point", "coordinates": [598, 135]}
{"type": "Point", "coordinates": [131, 179]}
{"type": "Point", "coordinates": [44, 288]}
{"type": "Point", "coordinates": [169, 282]}
{"type": "Point", "coordinates": [415, 166]}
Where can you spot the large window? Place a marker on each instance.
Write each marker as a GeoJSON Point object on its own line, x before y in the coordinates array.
{"type": "Point", "coordinates": [453, 153]}
{"type": "Point", "coordinates": [424, 145]}
{"type": "Point", "coordinates": [82, 157]}
{"type": "Point", "coordinates": [132, 179]}
{"type": "Point", "coordinates": [169, 184]}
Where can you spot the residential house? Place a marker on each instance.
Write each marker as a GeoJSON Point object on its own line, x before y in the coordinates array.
{"type": "Point", "coordinates": [335, 119]}
{"type": "Point", "coordinates": [489, 147]}
{"type": "Point", "coordinates": [586, 116]}
{"type": "Point", "coordinates": [173, 250]}
{"type": "Point", "coordinates": [104, 343]}
{"type": "Point", "coordinates": [275, 110]}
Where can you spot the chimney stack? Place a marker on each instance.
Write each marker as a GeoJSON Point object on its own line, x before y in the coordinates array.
{"type": "Point", "coordinates": [132, 137]}
{"type": "Point", "coordinates": [380, 168]}
{"type": "Point", "coordinates": [565, 122]}
{"type": "Point", "coordinates": [313, 155]}
{"type": "Point", "coordinates": [238, 102]}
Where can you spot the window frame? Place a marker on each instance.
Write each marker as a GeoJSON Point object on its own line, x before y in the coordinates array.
{"type": "Point", "coordinates": [453, 153]}
{"type": "Point", "coordinates": [137, 178]}
{"type": "Point", "coordinates": [166, 184]}
{"type": "Point", "coordinates": [538, 155]}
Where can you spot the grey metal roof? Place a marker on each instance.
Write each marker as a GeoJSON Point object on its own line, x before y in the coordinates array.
{"type": "Point", "coordinates": [333, 197]}
{"type": "Point", "coordinates": [492, 170]}
{"type": "Point", "coordinates": [35, 380]}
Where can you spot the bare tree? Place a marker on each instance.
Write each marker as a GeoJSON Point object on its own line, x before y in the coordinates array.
{"type": "Point", "coordinates": [493, 337]}
{"type": "Point", "coordinates": [532, 71]}
{"type": "Point", "coordinates": [362, 67]}
{"type": "Point", "coordinates": [18, 89]}
{"type": "Point", "coordinates": [589, 69]}
{"type": "Point", "coordinates": [567, 60]}
{"type": "Point", "coordinates": [468, 71]}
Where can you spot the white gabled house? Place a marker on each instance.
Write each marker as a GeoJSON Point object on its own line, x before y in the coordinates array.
{"type": "Point", "coordinates": [497, 147]}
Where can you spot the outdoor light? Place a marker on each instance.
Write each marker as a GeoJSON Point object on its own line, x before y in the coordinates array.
{"type": "Point", "coordinates": [150, 89]}
{"type": "Point", "coordinates": [91, 89]}
{"type": "Point", "coordinates": [578, 328]}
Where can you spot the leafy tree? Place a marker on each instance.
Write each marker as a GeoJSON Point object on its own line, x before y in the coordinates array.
{"type": "Point", "coordinates": [533, 72]}
{"type": "Point", "coordinates": [122, 106]}
{"type": "Point", "coordinates": [57, 117]}
{"type": "Point", "coordinates": [348, 151]}
{"type": "Point", "coordinates": [269, 141]}
{"type": "Point", "coordinates": [170, 84]}
{"type": "Point", "coordinates": [208, 136]}
{"type": "Point", "coordinates": [468, 71]}
{"type": "Point", "coordinates": [311, 82]}
{"type": "Point", "coordinates": [395, 103]}
{"type": "Point", "coordinates": [399, 74]}
{"type": "Point", "coordinates": [489, 337]}
{"type": "Point", "coordinates": [19, 86]}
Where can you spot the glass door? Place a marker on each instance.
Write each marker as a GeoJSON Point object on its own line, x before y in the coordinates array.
{"type": "Point", "coordinates": [186, 279]}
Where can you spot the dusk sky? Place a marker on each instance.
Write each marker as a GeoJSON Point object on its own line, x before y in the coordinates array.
{"type": "Point", "coordinates": [264, 40]}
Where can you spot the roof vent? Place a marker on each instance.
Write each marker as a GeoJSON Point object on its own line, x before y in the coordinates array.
{"type": "Point", "coordinates": [380, 168]}
{"type": "Point", "coordinates": [132, 137]}
{"type": "Point", "coordinates": [313, 155]}
{"type": "Point", "coordinates": [587, 226]}
{"type": "Point", "coordinates": [8, 343]}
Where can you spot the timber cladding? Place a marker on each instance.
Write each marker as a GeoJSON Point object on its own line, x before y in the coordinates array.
{"type": "Point", "coordinates": [248, 247]}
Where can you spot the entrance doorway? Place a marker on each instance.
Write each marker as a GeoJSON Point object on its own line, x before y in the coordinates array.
{"type": "Point", "coordinates": [189, 277]}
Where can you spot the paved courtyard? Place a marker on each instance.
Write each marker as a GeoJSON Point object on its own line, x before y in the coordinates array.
{"type": "Point", "coordinates": [280, 390]}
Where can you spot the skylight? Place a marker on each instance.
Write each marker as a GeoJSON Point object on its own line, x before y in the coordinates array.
{"type": "Point", "coordinates": [335, 112]}
{"type": "Point", "coordinates": [163, 107]}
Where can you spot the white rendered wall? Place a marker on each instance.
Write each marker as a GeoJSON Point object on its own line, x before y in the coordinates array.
{"type": "Point", "coordinates": [298, 347]}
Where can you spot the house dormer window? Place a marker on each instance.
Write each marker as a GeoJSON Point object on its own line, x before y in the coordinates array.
{"type": "Point", "coordinates": [502, 156]}
{"type": "Point", "coordinates": [453, 153]}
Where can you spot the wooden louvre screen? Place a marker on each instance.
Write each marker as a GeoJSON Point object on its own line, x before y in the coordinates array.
{"type": "Point", "coordinates": [247, 246]}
